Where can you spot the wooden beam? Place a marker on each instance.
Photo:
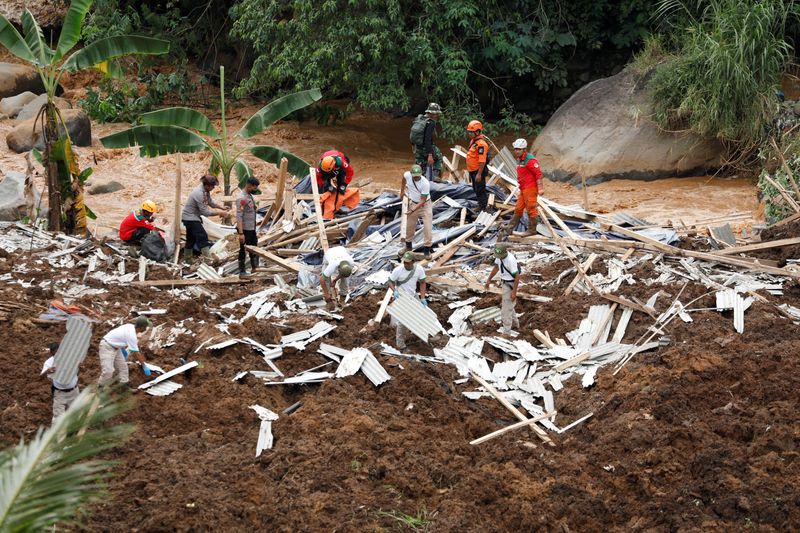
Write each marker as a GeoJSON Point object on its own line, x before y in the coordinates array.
{"type": "Point", "coordinates": [513, 427]}
{"type": "Point", "coordinates": [279, 190]}
{"type": "Point", "coordinates": [323, 238]}
{"type": "Point", "coordinates": [274, 259]}
{"type": "Point", "coordinates": [176, 221]}
{"type": "Point", "coordinates": [758, 246]}
{"type": "Point", "coordinates": [187, 282]}
{"type": "Point", "coordinates": [783, 193]}
{"type": "Point", "coordinates": [549, 212]}
{"type": "Point", "coordinates": [454, 243]}
{"type": "Point", "coordinates": [384, 304]}
{"type": "Point", "coordinates": [516, 412]}
{"type": "Point", "coordinates": [786, 168]}
{"type": "Point", "coordinates": [543, 338]}
{"type": "Point", "coordinates": [586, 266]}
{"type": "Point", "coordinates": [477, 287]}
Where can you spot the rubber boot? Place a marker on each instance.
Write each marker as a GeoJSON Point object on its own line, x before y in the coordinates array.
{"type": "Point", "coordinates": [509, 229]}
{"type": "Point", "coordinates": [532, 226]}
{"type": "Point", "coordinates": [426, 252]}
{"type": "Point", "coordinates": [188, 255]}
{"type": "Point", "coordinates": [253, 263]}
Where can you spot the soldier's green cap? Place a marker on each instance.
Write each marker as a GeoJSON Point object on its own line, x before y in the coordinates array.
{"type": "Point", "coordinates": [345, 269]}
{"type": "Point", "coordinates": [142, 322]}
{"type": "Point", "coordinates": [500, 250]}
{"type": "Point", "coordinates": [416, 170]}
{"type": "Point", "coordinates": [409, 256]}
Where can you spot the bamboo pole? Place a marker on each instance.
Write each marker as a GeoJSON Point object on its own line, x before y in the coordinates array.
{"type": "Point", "coordinates": [176, 222]}
{"type": "Point", "coordinates": [512, 427]}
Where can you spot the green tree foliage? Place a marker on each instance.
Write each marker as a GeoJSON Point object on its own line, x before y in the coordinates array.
{"type": "Point", "coordinates": [720, 78]}
{"type": "Point", "coordinates": [465, 54]}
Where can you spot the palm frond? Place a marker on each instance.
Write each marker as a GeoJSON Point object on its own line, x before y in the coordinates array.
{"type": "Point", "coordinates": [46, 480]}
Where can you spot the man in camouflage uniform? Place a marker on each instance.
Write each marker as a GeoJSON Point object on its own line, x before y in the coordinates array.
{"type": "Point", "coordinates": [426, 154]}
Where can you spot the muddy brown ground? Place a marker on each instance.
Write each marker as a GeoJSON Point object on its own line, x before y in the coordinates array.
{"type": "Point", "coordinates": [698, 435]}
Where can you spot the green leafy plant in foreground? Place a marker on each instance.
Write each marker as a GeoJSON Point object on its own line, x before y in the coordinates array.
{"type": "Point", "coordinates": [65, 190]}
{"type": "Point", "coordinates": [418, 521]}
{"type": "Point", "coordinates": [183, 130]}
{"type": "Point", "coordinates": [48, 479]}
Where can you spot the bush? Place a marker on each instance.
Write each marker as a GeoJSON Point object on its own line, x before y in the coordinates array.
{"type": "Point", "coordinates": [721, 81]}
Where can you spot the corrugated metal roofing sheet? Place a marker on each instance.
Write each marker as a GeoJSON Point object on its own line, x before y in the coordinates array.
{"type": "Point", "coordinates": [206, 272]}
{"type": "Point", "coordinates": [72, 350]}
{"type": "Point", "coordinates": [419, 319]}
{"type": "Point", "coordinates": [351, 362]}
{"type": "Point", "coordinates": [173, 372]}
{"type": "Point", "coordinates": [483, 315]}
{"type": "Point", "coordinates": [374, 371]}
{"type": "Point", "coordinates": [165, 388]}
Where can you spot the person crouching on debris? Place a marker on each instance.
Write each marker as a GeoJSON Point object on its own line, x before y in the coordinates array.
{"type": "Point", "coordinates": [118, 339]}
{"type": "Point", "coordinates": [138, 223]}
{"type": "Point", "coordinates": [334, 174]}
{"type": "Point", "coordinates": [199, 203]}
{"type": "Point", "coordinates": [529, 179]}
{"type": "Point", "coordinates": [405, 278]}
{"type": "Point", "coordinates": [246, 224]}
{"type": "Point", "coordinates": [507, 264]}
{"type": "Point", "coordinates": [418, 190]}
{"type": "Point", "coordinates": [63, 393]}
{"type": "Point", "coordinates": [337, 266]}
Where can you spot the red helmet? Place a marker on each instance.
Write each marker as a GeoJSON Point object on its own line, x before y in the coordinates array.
{"type": "Point", "coordinates": [474, 125]}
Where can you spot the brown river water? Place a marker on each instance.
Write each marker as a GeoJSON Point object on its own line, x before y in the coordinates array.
{"type": "Point", "coordinates": [378, 147]}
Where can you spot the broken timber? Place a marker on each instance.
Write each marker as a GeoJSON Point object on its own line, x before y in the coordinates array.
{"type": "Point", "coordinates": [186, 282]}
{"type": "Point", "coordinates": [512, 427]}
{"type": "Point", "coordinates": [323, 238]}
{"type": "Point", "coordinates": [272, 258]}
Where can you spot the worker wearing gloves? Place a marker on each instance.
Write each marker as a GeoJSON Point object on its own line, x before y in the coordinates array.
{"type": "Point", "coordinates": [199, 203]}
{"type": "Point", "coordinates": [529, 179]}
{"type": "Point", "coordinates": [507, 264]}
{"type": "Point", "coordinates": [246, 224]}
{"type": "Point", "coordinates": [63, 393]}
{"type": "Point", "coordinates": [138, 223]}
{"type": "Point", "coordinates": [337, 267]}
{"type": "Point", "coordinates": [418, 191]}
{"type": "Point", "coordinates": [404, 279]}
{"type": "Point", "coordinates": [477, 162]}
{"type": "Point", "coordinates": [115, 342]}
{"type": "Point", "coordinates": [426, 154]}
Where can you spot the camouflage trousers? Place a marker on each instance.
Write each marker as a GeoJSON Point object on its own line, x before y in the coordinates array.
{"type": "Point", "coordinates": [421, 159]}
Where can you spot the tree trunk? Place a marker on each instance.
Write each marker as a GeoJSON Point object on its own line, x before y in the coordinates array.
{"type": "Point", "coordinates": [51, 168]}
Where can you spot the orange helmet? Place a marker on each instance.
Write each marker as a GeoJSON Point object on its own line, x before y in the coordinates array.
{"type": "Point", "coordinates": [474, 125]}
{"type": "Point", "coordinates": [328, 163]}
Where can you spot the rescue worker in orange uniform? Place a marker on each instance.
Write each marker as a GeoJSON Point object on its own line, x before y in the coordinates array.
{"type": "Point", "coordinates": [138, 223]}
{"type": "Point", "coordinates": [477, 160]}
{"type": "Point", "coordinates": [334, 173]}
{"type": "Point", "coordinates": [529, 179]}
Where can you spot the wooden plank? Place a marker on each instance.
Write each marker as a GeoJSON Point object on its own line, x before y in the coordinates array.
{"type": "Point", "coordinates": [454, 243]}
{"type": "Point", "coordinates": [549, 212]}
{"type": "Point", "coordinates": [489, 225]}
{"type": "Point", "coordinates": [544, 339]}
{"type": "Point", "coordinates": [463, 219]}
{"type": "Point", "coordinates": [586, 266]}
{"type": "Point", "coordinates": [362, 228]}
{"type": "Point", "coordinates": [279, 191]}
{"type": "Point", "coordinates": [187, 282]}
{"type": "Point", "coordinates": [480, 288]}
{"type": "Point", "coordinates": [608, 316]}
{"type": "Point", "coordinates": [627, 303]}
{"type": "Point", "coordinates": [274, 259]}
{"type": "Point", "coordinates": [513, 427]}
{"type": "Point", "coordinates": [323, 238]}
{"type": "Point", "coordinates": [384, 304]}
{"type": "Point", "coordinates": [758, 246]}
{"type": "Point", "coordinates": [516, 412]}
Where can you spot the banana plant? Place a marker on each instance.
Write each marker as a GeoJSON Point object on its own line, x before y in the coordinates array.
{"type": "Point", "coordinates": [65, 190]}
{"type": "Point", "coordinates": [183, 130]}
{"type": "Point", "coordinates": [48, 479]}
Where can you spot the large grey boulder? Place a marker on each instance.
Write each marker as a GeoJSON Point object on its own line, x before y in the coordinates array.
{"type": "Point", "coordinates": [602, 132]}
{"type": "Point", "coordinates": [22, 138]}
{"type": "Point", "coordinates": [105, 188]}
{"type": "Point", "coordinates": [18, 197]}
{"type": "Point", "coordinates": [31, 109]}
{"type": "Point", "coordinates": [12, 105]}
{"type": "Point", "coordinates": [16, 79]}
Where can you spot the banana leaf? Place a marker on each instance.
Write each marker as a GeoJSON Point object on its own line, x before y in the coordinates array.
{"type": "Point", "coordinates": [273, 155]}
{"type": "Point", "coordinates": [156, 140]}
{"type": "Point", "coordinates": [35, 40]}
{"type": "Point", "coordinates": [13, 41]}
{"type": "Point", "coordinates": [182, 117]}
{"type": "Point", "coordinates": [276, 110]}
{"type": "Point", "coordinates": [71, 28]}
{"type": "Point", "coordinates": [112, 48]}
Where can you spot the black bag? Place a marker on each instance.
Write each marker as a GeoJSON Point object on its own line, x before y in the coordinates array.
{"type": "Point", "coordinates": [154, 247]}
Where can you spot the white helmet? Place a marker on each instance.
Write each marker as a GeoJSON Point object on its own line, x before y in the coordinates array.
{"type": "Point", "coordinates": [520, 143]}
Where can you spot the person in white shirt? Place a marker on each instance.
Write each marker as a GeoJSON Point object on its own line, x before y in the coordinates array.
{"type": "Point", "coordinates": [418, 191]}
{"type": "Point", "coordinates": [405, 278]}
{"type": "Point", "coordinates": [507, 264]}
{"type": "Point", "coordinates": [112, 345]}
{"type": "Point", "coordinates": [63, 393]}
{"type": "Point", "coordinates": [337, 266]}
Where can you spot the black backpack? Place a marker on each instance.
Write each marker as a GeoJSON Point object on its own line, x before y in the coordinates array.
{"type": "Point", "coordinates": [154, 247]}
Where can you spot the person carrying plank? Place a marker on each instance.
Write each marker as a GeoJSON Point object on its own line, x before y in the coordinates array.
{"type": "Point", "coordinates": [63, 393]}
{"type": "Point", "coordinates": [405, 278]}
{"type": "Point", "coordinates": [337, 266]}
{"type": "Point", "coordinates": [529, 179]}
{"type": "Point", "coordinates": [418, 191]}
{"type": "Point", "coordinates": [509, 269]}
